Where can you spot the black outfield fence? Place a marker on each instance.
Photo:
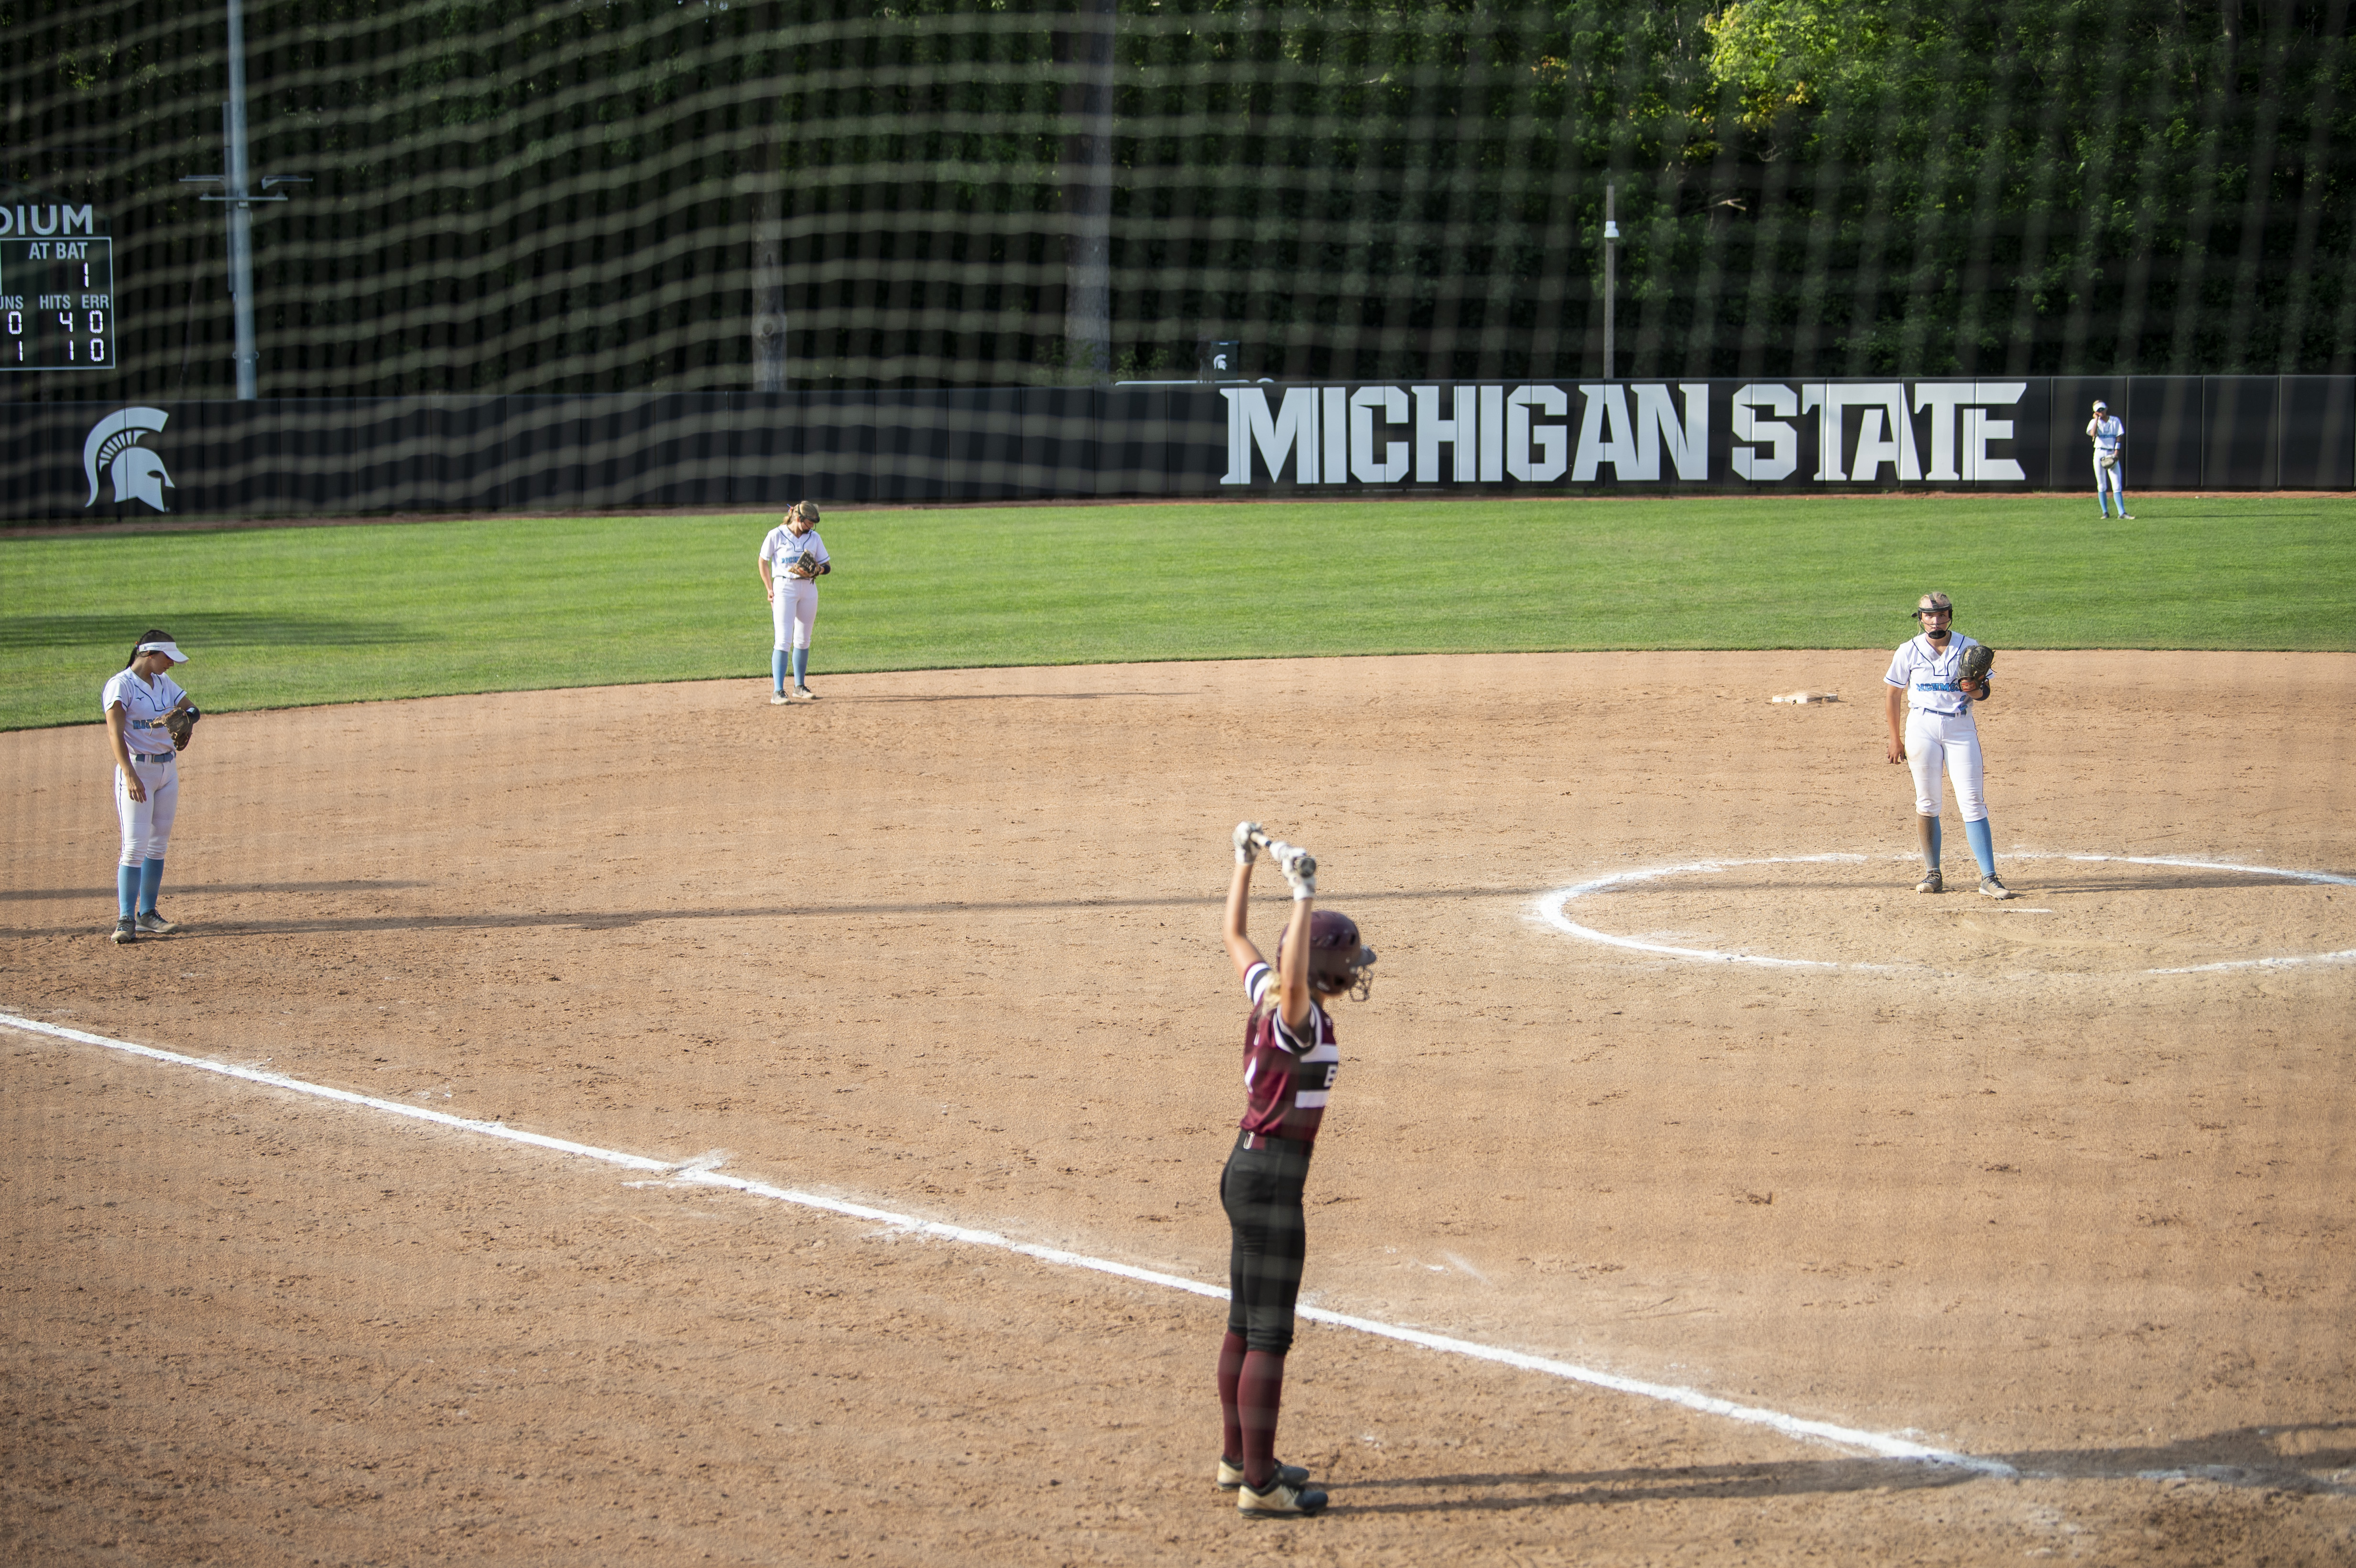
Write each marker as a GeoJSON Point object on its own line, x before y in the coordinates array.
{"type": "Point", "coordinates": [99, 462]}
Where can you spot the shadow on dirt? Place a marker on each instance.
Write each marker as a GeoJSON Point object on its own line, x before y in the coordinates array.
{"type": "Point", "coordinates": [2314, 1458]}
{"type": "Point", "coordinates": [619, 919]}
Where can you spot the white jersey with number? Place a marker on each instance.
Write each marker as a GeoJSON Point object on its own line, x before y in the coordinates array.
{"type": "Point", "coordinates": [2107, 433]}
{"type": "Point", "coordinates": [1927, 672]}
{"type": "Point", "coordinates": [143, 704]}
{"type": "Point", "coordinates": [783, 547]}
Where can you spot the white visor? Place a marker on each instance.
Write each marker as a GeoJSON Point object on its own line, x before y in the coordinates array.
{"type": "Point", "coordinates": [169, 650]}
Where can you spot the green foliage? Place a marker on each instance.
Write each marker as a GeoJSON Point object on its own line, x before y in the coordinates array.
{"type": "Point", "coordinates": [559, 197]}
{"type": "Point", "coordinates": [293, 617]}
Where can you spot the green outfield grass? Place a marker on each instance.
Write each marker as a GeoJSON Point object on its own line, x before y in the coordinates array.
{"type": "Point", "coordinates": [290, 616]}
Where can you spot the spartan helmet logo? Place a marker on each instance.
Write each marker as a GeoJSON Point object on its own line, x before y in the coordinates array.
{"type": "Point", "coordinates": [135, 473]}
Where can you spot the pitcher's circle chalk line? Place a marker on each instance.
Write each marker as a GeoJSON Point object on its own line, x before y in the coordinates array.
{"type": "Point", "coordinates": [1551, 908]}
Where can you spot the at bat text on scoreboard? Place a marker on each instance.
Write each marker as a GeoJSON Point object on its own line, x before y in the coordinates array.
{"type": "Point", "coordinates": [56, 305]}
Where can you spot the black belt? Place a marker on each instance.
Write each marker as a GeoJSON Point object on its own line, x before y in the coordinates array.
{"type": "Point", "coordinates": [1261, 1140]}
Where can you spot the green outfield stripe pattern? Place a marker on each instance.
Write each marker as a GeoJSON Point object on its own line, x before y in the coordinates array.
{"type": "Point", "coordinates": [286, 617]}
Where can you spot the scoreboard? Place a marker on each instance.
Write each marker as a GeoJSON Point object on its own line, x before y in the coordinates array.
{"type": "Point", "coordinates": [56, 303]}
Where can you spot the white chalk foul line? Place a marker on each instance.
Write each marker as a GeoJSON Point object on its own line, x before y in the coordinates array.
{"type": "Point", "coordinates": [1551, 907]}
{"type": "Point", "coordinates": [693, 1173]}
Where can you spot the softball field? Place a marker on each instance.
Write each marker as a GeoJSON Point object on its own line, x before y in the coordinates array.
{"type": "Point", "coordinates": [1814, 1220]}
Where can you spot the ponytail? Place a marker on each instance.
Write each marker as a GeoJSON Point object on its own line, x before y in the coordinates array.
{"type": "Point", "coordinates": [152, 635]}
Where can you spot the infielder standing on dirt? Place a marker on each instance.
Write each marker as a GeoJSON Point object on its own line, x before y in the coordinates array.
{"type": "Point", "coordinates": [1290, 1061]}
{"type": "Point", "coordinates": [1933, 680]}
{"type": "Point", "coordinates": [139, 703]}
{"type": "Point", "coordinates": [792, 559]}
{"type": "Point", "coordinates": [2110, 459]}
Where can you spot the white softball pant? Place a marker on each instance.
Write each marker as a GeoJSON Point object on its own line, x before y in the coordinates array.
{"type": "Point", "coordinates": [2114, 479]}
{"type": "Point", "coordinates": [1934, 741]}
{"type": "Point", "coordinates": [794, 607]}
{"type": "Point", "coordinates": [147, 824]}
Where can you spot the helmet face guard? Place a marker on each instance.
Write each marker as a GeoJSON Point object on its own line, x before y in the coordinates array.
{"type": "Point", "coordinates": [1930, 602]}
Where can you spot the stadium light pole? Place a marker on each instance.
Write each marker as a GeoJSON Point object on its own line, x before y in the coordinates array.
{"type": "Point", "coordinates": [1611, 272]}
{"type": "Point", "coordinates": [240, 198]}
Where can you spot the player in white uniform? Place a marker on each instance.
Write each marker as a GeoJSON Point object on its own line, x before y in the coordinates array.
{"type": "Point", "coordinates": [1930, 727]}
{"type": "Point", "coordinates": [792, 588]}
{"type": "Point", "coordinates": [2110, 459]}
{"type": "Point", "coordinates": [136, 703]}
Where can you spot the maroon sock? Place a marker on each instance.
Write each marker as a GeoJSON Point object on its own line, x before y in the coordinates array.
{"type": "Point", "coordinates": [1258, 1393]}
{"type": "Point", "coordinates": [1231, 1372]}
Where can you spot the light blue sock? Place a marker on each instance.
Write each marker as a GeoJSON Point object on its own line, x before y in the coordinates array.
{"type": "Point", "coordinates": [151, 883]}
{"type": "Point", "coordinates": [777, 669]}
{"type": "Point", "coordinates": [1935, 840]}
{"type": "Point", "coordinates": [126, 890]}
{"type": "Point", "coordinates": [801, 667]}
{"type": "Point", "coordinates": [1982, 845]}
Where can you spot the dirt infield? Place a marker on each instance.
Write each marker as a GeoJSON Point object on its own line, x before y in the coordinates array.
{"type": "Point", "coordinates": [2062, 1184]}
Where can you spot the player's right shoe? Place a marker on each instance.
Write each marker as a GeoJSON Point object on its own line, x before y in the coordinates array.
{"type": "Point", "coordinates": [153, 922]}
{"type": "Point", "coordinates": [1280, 1502]}
{"type": "Point", "coordinates": [1231, 1475]}
{"type": "Point", "coordinates": [125, 931]}
{"type": "Point", "coordinates": [1932, 882]}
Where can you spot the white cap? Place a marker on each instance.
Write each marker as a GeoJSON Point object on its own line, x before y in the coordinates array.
{"type": "Point", "coordinates": [2101, 406]}
{"type": "Point", "coordinates": [169, 650]}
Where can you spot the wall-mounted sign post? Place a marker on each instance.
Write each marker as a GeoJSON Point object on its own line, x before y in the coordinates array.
{"type": "Point", "coordinates": [1611, 275]}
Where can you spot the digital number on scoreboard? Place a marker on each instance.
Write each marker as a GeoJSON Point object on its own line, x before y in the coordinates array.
{"type": "Point", "coordinates": [57, 302]}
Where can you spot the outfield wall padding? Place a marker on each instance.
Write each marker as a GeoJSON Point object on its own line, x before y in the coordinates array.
{"type": "Point", "coordinates": [748, 451]}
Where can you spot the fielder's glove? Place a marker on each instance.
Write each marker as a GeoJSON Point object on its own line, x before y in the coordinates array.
{"type": "Point", "coordinates": [808, 564]}
{"type": "Point", "coordinates": [1246, 850]}
{"type": "Point", "coordinates": [1977, 660]}
{"type": "Point", "coordinates": [181, 724]}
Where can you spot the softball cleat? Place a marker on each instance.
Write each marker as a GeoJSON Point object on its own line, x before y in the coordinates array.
{"type": "Point", "coordinates": [125, 931]}
{"type": "Point", "coordinates": [1280, 1502]}
{"type": "Point", "coordinates": [1993, 885]}
{"type": "Point", "coordinates": [1932, 882]}
{"type": "Point", "coordinates": [1231, 1475]}
{"type": "Point", "coordinates": [155, 924]}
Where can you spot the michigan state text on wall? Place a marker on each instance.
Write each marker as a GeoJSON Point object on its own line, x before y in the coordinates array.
{"type": "Point", "coordinates": [1650, 432]}
{"type": "Point", "coordinates": [757, 450]}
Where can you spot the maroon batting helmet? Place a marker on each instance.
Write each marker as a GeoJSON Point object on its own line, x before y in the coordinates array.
{"type": "Point", "coordinates": [1338, 961]}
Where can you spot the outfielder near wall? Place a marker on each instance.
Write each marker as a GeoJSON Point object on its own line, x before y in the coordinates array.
{"type": "Point", "coordinates": [1861, 433]}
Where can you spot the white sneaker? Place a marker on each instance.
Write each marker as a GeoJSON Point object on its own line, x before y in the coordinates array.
{"type": "Point", "coordinates": [1993, 885]}
{"type": "Point", "coordinates": [779, 699]}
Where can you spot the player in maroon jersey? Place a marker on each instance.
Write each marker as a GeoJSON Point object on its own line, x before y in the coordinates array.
{"type": "Point", "coordinates": [1290, 1061]}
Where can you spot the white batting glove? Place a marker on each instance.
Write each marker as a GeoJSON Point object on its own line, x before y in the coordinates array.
{"type": "Point", "coordinates": [1246, 850]}
{"type": "Point", "coordinates": [1300, 869]}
